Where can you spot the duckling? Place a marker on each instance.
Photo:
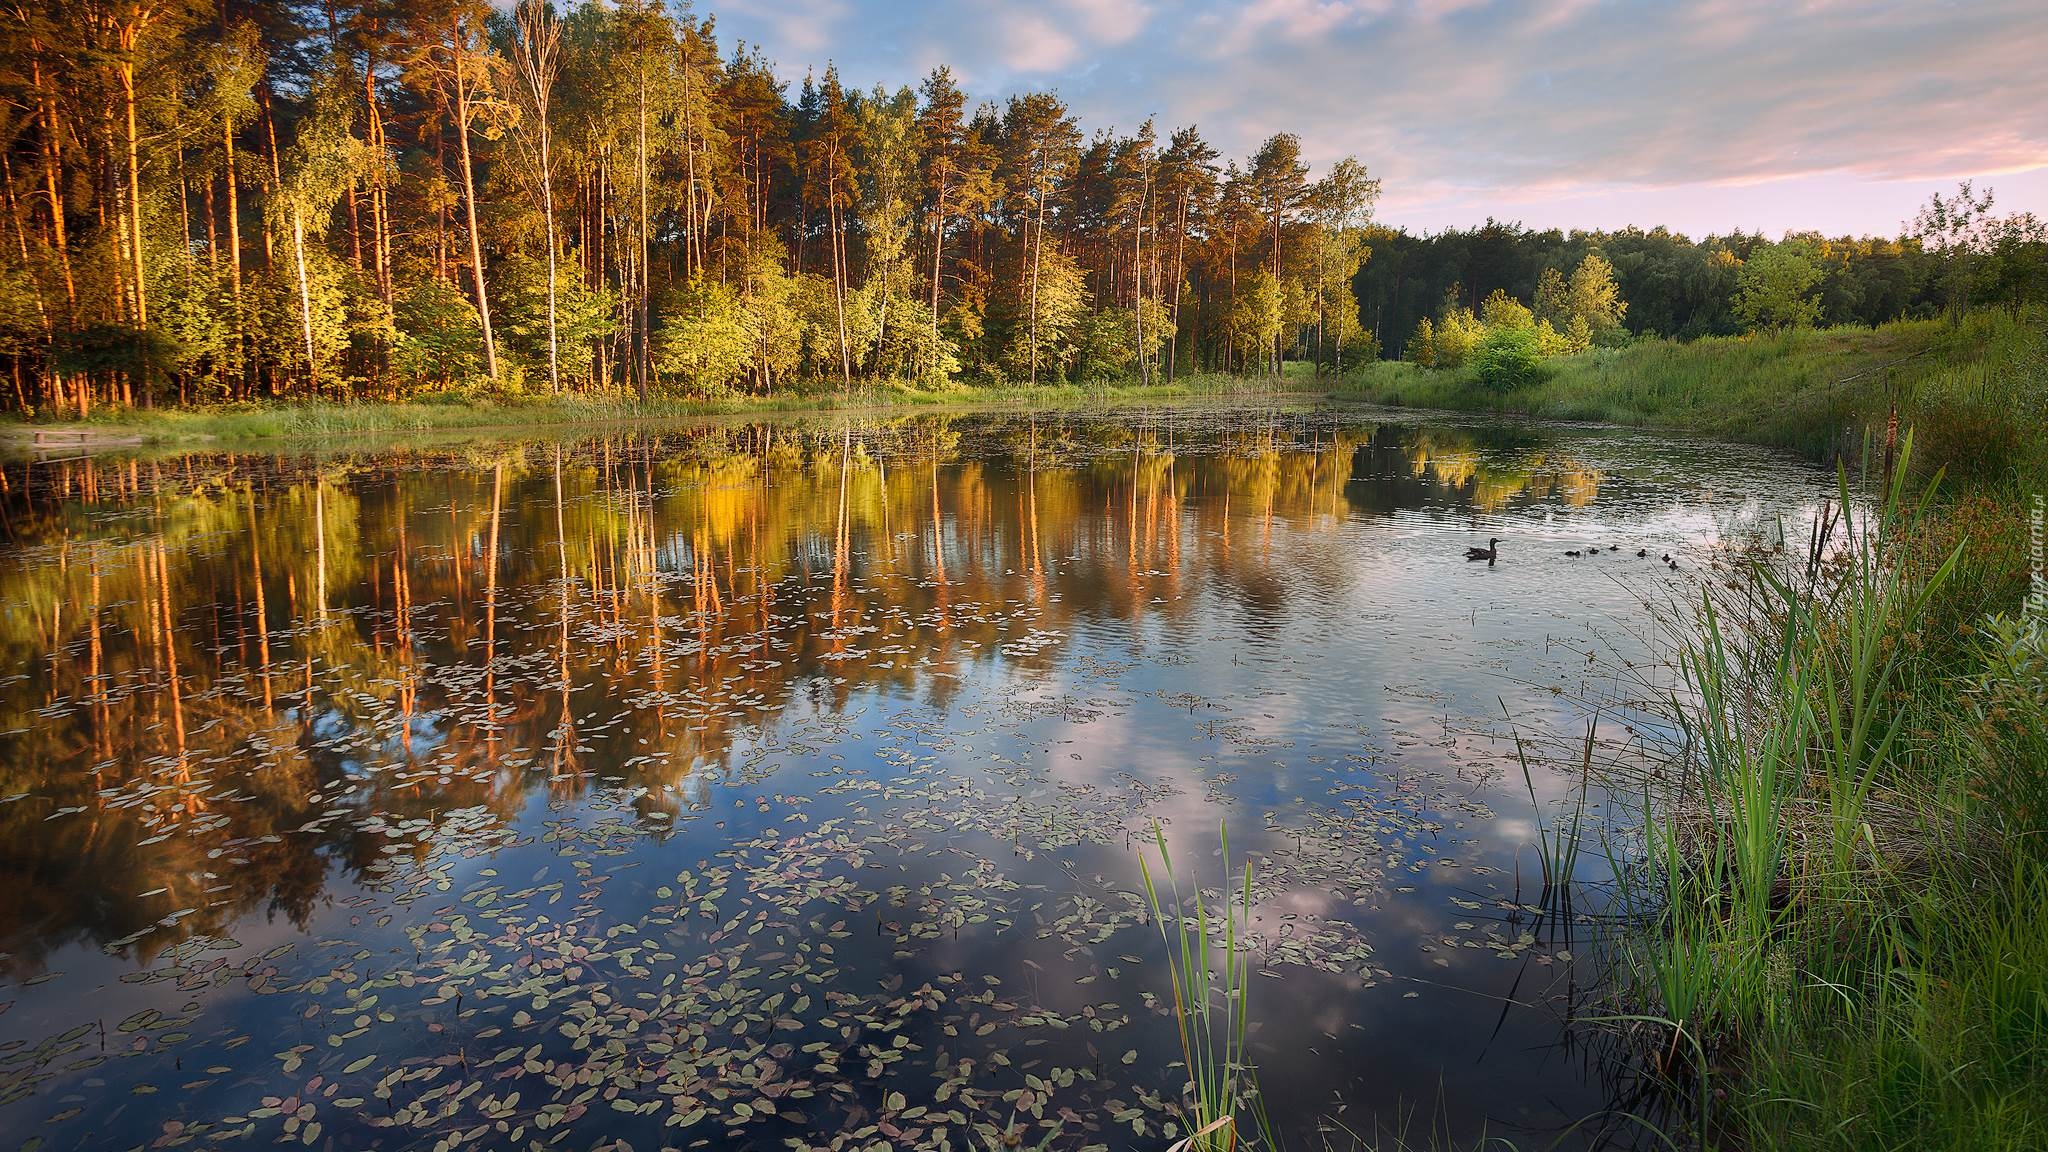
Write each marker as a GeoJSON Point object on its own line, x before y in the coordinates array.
{"type": "Point", "coordinates": [1614, 547]}
{"type": "Point", "coordinates": [1572, 552]}
{"type": "Point", "coordinates": [1487, 553]}
{"type": "Point", "coordinates": [1642, 552]}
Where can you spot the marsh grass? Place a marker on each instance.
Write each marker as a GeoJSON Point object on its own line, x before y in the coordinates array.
{"type": "Point", "coordinates": [1559, 843]}
{"type": "Point", "coordinates": [1810, 390]}
{"type": "Point", "coordinates": [1209, 965]}
{"type": "Point", "coordinates": [1843, 904]}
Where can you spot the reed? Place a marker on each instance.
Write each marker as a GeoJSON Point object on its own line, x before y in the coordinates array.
{"type": "Point", "coordinates": [1840, 913]}
{"type": "Point", "coordinates": [1558, 846]}
{"type": "Point", "coordinates": [1209, 965]}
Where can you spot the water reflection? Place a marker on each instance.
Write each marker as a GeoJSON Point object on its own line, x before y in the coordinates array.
{"type": "Point", "coordinates": [526, 736]}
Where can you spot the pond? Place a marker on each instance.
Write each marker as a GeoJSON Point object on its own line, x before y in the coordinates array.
{"type": "Point", "coordinates": [785, 784]}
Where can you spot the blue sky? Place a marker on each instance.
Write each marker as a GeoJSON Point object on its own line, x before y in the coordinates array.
{"type": "Point", "coordinates": [1704, 115]}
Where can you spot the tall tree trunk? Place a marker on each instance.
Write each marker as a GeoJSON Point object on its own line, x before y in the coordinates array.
{"type": "Point", "coordinates": [640, 349]}
{"type": "Point", "coordinates": [547, 200]}
{"type": "Point", "coordinates": [276, 174]}
{"type": "Point", "coordinates": [234, 214]}
{"type": "Point", "coordinates": [1180, 244]}
{"type": "Point", "coordinates": [53, 182]}
{"type": "Point", "coordinates": [1138, 279]}
{"type": "Point", "coordinates": [373, 139]}
{"type": "Point", "coordinates": [938, 250]}
{"type": "Point", "coordinates": [693, 259]}
{"type": "Point", "coordinates": [128, 37]}
{"type": "Point", "coordinates": [305, 298]}
{"type": "Point", "coordinates": [1037, 250]}
{"type": "Point", "coordinates": [476, 248]}
{"type": "Point", "coordinates": [838, 261]}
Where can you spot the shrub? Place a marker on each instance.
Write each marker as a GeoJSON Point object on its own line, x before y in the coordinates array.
{"type": "Point", "coordinates": [1509, 358]}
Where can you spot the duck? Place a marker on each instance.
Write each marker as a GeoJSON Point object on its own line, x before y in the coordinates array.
{"type": "Point", "coordinates": [1574, 553]}
{"type": "Point", "coordinates": [1642, 552]}
{"type": "Point", "coordinates": [1614, 547]}
{"type": "Point", "coordinates": [1487, 553]}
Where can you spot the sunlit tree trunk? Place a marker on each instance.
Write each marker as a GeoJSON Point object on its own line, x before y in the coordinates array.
{"type": "Point", "coordinates": [459, 48]}
{"type": "Point", "coordinates": [128, 36]}
{"type": "Point", "coordinates": [640, 348]}
{"type": "Point", "coordinates": [938, 250]}
{"type": "Point", "coordinates": [539, 40]}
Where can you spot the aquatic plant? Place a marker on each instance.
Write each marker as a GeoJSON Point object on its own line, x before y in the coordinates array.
{"type": "Point", "coordinates": [1558, 847]}
{"type": "Point", "coordinates": [1210, 995]}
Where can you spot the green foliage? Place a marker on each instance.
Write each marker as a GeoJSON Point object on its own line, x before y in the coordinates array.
{"type": "Point", "coordinates": [775, 324]}
{"type": "Point", "coordinates": [2012, 269]}
{"type": "Point", "coordinates": [1106, 343]}
{"type": "Point", "coordinates": [704, 338]}
{"type": "Point", "coordinates": [333, 300]}
{"type": "Point", "coordinates": [1595, 299]}
{"type": "Point", "coordinates": [1775, 289]}
{"type": "Point", "coordinates": [1061, 299]}
{"type": "Point", "coordinates": [1458, 333]}
{"type": "Point", "coordinates": [1501, 310]}
{"type": "Point", "coordinates": [1422, 346]}
{"type": "Point", "coordinates": [1509, 357]}
{"type": "Point", "coordinates": [195, 311]}
{"type": "Point", "coordinates": [436, 333]}
{"type": "Point", "coordinates": [583, 317]}
{"type": "Point", "coordinates": [1255, 318]}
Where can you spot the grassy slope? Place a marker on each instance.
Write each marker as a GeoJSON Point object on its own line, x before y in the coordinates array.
{"type": "Point", "coordinates": [1795, 390]}
{"type": "Point", "coordinates": [1900, 999]}
{"type": "Point", "coordinates": [309, 420]}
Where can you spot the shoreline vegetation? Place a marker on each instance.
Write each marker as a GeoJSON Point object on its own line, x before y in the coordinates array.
{"type": "Point", "coordinates": [1810, 390]}
{"type": "Point", "coordinates": [297, 421]}
{"type": "Point", "coordinates": [1840, 923]}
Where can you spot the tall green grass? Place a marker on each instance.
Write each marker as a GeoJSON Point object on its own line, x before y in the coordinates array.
{"type": "Point", "coordinates": [1844, 914]}
{"type": "Point", "coordinates": [1812, 390]}
{"type": "Point", "coordinates": [1209, 966]}
{"type": "Point", "coordinates": [1559, 843]}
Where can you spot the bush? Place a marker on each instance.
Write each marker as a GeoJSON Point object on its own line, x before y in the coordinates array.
{"type": "Point", "coordinates": [1509, 358]}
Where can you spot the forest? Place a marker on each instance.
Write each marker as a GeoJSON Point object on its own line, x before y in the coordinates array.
{"type": "Point", "coordinates": [400, 199]}
{"type": "Point", "coordinates": [390, 197]}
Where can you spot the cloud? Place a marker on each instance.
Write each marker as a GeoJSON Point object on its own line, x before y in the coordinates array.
{"type": "Point", "coordinates": [1468, 105]}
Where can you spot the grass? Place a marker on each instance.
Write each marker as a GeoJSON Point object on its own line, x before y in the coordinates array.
{"type": "Point", "coordinates": [1211, 998]}
{"type": "Point", "coordinates": [1558, 847]}
{"type": "Point", "coordinates": [1844, 912]}
{"type": "Point", "coordinates": [1811, 390]}
{"type": "Point", "coordinates": [1841, 907]}
{"type": "Point", "coordinates": [302, 420]}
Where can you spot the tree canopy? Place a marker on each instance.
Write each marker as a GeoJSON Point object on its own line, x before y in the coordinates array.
{"type": "Point", "coordinates": [379, 198]}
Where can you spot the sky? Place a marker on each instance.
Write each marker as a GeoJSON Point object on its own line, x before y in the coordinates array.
{"type": "Point", "coordinates": [1704, 116]}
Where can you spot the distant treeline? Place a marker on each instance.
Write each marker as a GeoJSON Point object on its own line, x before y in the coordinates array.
{"type": "Point", "coordinates": [1681, 288]}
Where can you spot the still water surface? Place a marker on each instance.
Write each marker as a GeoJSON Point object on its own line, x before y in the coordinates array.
{"type": "Point", "coordinates": [733, 785]}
